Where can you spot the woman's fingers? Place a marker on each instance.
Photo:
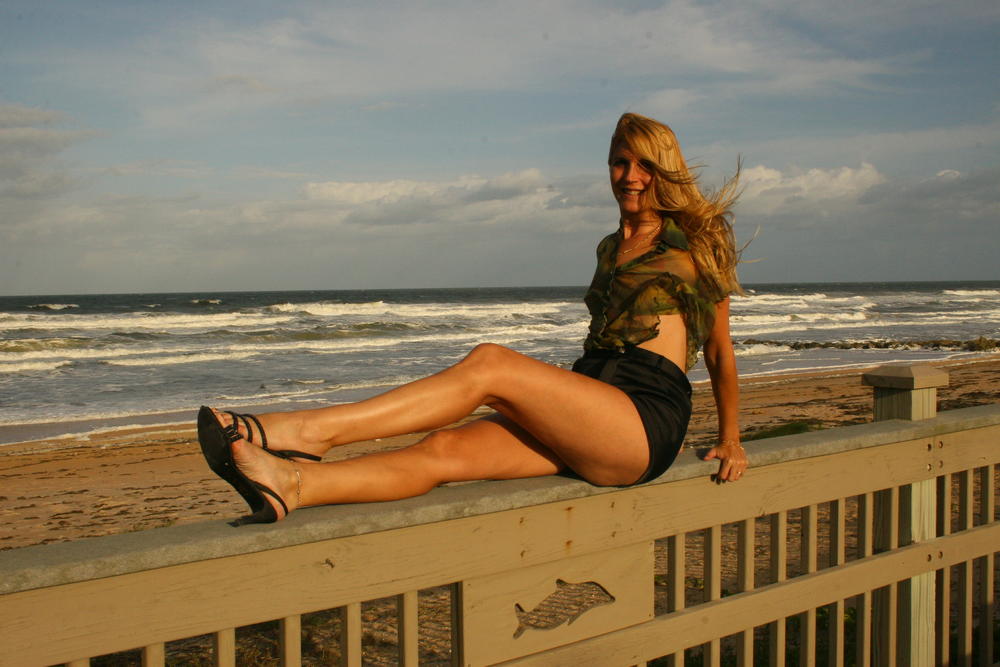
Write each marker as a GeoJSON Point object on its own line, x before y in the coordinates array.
{"type": "Point", "coordinates": [732, 461]}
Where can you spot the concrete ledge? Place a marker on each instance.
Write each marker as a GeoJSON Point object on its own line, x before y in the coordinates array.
{"type": "Point", "coordinates": [94, 558]}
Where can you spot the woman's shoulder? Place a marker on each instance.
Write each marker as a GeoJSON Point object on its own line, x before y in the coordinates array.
{"type": "Point", "coordinates": [607, 243]}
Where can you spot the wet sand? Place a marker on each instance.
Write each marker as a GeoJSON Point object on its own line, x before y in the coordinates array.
{"type": "Point", "coordinates": [58, 490]}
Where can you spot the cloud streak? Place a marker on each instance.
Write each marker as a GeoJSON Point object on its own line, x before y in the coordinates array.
{"type": "Point", "coordinates": [463, 143]}
{"type": "Point", "coordinates": [354, 55]}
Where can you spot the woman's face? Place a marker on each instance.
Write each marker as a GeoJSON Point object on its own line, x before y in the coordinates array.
{"type": "Point", "coordinates": [629, 182]}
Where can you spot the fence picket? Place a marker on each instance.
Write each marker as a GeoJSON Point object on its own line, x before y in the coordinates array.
{"type": "Point", "coordinates": [712, 561]}
{"type": "Point", "coordinates": [406, 615]}
{"type": "Point", "coordinates": [778, 573]}
{"type": "Point", "coordinates": [224, 642]}
{"type": "Point", "coordinates": [676, 567]}
{"type": "Point", "coordinates": [987, 602]}
{"type": "Point", "coordinates": [153, 655]}
{"type": "Point", "coordinates": [350, 635]}
{"type": "Point", "coordinates": [835, 637]}
{"type": "Point", "coordinates": [866, 523]}
{"type": "Point", "coordinates": [290, 631]}
{"type": "Point", "coordinates": [745, 554]}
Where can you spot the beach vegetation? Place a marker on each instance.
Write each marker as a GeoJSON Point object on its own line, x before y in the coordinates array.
{"type": "Point", "coordinates": [980, 344]}
{"type": "Point", "coordinates": [787, 428]}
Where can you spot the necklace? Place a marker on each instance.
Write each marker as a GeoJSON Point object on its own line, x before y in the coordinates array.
{"type": "Point", "coordinates": [645, 240]}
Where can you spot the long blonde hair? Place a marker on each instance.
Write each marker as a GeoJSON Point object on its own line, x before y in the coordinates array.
{"type": "Point", "coordinates": [705, 219]}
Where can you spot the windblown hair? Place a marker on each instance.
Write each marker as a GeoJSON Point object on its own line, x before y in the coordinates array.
{"type": "Point", "coordinates": [706, 219]}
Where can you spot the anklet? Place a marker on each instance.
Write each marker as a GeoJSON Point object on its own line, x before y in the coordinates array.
{"type": "Point", "coordinates": [298, 485]}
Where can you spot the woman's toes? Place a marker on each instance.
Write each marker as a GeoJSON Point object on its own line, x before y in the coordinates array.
{"type": "Point", "coordinates": [226, 419]}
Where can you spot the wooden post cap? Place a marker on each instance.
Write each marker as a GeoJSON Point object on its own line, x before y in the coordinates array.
{"type": "Point", "coordinates": [917, 376]}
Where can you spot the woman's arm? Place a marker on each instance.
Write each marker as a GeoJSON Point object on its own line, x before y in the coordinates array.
{"type": "Point", "coordinates": [721, 363]}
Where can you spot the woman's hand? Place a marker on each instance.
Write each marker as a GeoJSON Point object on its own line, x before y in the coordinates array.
{"type": "Point", "coordinates": [732, 460]}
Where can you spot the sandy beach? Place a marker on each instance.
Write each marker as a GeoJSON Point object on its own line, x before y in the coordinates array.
{"type": "Point", "coordinates": [126, 480]}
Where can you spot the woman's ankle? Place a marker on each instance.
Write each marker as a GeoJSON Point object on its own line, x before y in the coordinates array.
{"type": "Point", "coordinates": [317, 433]}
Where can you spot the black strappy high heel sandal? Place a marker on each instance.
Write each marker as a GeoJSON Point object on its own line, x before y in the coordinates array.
{"type": "Point", "coordinates": [215, 440]}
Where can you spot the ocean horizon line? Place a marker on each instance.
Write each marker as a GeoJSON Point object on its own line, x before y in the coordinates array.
{"type": "Point", "coordinates": [745, 285]}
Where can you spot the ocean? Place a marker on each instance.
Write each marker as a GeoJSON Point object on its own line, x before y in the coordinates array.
{"type": "Point", "coordinates": [71, 363]}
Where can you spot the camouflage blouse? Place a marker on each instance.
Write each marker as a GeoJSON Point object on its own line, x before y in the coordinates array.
{"type": "Point", "coordinates": [625, 302]}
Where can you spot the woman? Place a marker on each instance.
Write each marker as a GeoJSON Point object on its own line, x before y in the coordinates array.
{"type": "Point", "coordinates": [618, 418]}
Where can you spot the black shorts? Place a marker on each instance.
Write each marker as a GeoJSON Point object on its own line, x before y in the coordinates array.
{"type": "Point", "coordinates": [660, 391]}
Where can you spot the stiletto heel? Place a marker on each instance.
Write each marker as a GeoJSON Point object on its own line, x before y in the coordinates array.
{"type": "Point", "coordinates": [216, 440]}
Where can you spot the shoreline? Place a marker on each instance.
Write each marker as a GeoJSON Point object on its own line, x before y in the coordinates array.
{"type": "Point", "coordinates": [136, 477]}
{"type": "Point", "coordinates": [17, 438]}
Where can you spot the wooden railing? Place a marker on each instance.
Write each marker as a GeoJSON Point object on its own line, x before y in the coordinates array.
{"type": "Point", "coordinates": [866, 544]}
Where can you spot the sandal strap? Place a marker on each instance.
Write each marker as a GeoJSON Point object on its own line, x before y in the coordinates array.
{"type": "Point", "coordinates": [232, 432]}
{"type": "Point", "coordinates": [292, 453]}
{"type": "Point", "coordinates": [271, 493]}
{"type": "Point", "coordinates": [237, 417]}
{"type": "Point", "coordinates": [260, 428]}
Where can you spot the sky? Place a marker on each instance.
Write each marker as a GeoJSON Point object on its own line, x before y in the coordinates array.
{"type": "Point", "coordinates": [250, 145]}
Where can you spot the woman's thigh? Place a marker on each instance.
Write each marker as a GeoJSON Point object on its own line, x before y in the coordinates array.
{"type": "Point", "coordinates": [492, 447]}
{"type": "Point", "coordinates": [591, 426]}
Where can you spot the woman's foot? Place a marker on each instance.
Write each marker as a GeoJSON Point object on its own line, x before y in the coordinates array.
{"type": "Point", "coordinates": [278, 432]}
{"type": "Point", "coordinates": [279, 480]}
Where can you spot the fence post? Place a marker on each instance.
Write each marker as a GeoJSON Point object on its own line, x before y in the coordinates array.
{"type": "Point", "coordinates": [908, 392]}
{"type": "Point", "coordinates": [905, 392]}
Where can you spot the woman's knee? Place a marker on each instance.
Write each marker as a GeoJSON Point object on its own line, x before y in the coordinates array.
{"type": "Point", "coordinates": [442, 451]}
{"type": "Point", "coordinates": [485, 363]}
{"type": "Point", "coordinates": [489, 355]}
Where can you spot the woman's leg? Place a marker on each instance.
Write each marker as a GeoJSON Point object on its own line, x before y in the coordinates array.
{"type": "Point", "coordinates": [584, 421]}
{"type": "Point", "coordinates": [430, 403]}
{"type": "Point", "coordinates": [554, 417]}
{"type": "Point", "coordinates": [489, 448]}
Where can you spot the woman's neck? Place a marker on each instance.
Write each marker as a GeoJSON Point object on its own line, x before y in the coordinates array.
{"type": "Point", "coordinates": [639, 224]}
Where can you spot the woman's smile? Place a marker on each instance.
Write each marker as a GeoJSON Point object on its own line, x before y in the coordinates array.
{"type": "Point", "coordinates": [629, 181]}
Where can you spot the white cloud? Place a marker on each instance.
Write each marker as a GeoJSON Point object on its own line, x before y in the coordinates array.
{"type": "Point", "coordinates": [30, 143]}
{"type": "Point", "coordinates": [944, 201]}
{"type": "Point", "coordinates": [237, 83]}
{"type": "Point", "coordinates": [18, 115]}
{"type": "Point", "coordinates": [263, 173]}
{"type": "Point", "coordinates": [208, 70]}
{"type": "Point", "coordinates": [162, 167]}
{"type": "Point", "coordinates": [472, 230]}
{"type": "Point", "coordinates": [938, 228]}
{"type": "Point", "coordinates": [30, 169]}
{"type": "Point", "coordinates": [923, 149]}
{"type": "Point", "coordinates": [669, 103]}
{"type": "Point", "coordinates": [767, 190]}
{"type": "Point", "coordinates": [383, 191]}
{"type": "Point", "coordinates": [870, 16]}
{"type": "Point", "coordinates": [385, 105]}
{"type": "Point", "coordinates": [399, 196]}
{"type": "Point", "coordinates": [475, 230]}
{"type": "Point", "coordinates": [278, 102]}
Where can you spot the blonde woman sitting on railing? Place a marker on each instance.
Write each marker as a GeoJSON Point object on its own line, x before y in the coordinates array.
{"type": "Point", "coordinates": [660, 293]}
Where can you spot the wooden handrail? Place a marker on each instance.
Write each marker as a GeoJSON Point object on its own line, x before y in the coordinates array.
{"type": "Point", "coordinates": [501, 544]}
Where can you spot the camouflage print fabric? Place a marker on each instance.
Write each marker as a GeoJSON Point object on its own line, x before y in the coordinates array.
{"type": "Point", "coordinates": [625, 302]}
